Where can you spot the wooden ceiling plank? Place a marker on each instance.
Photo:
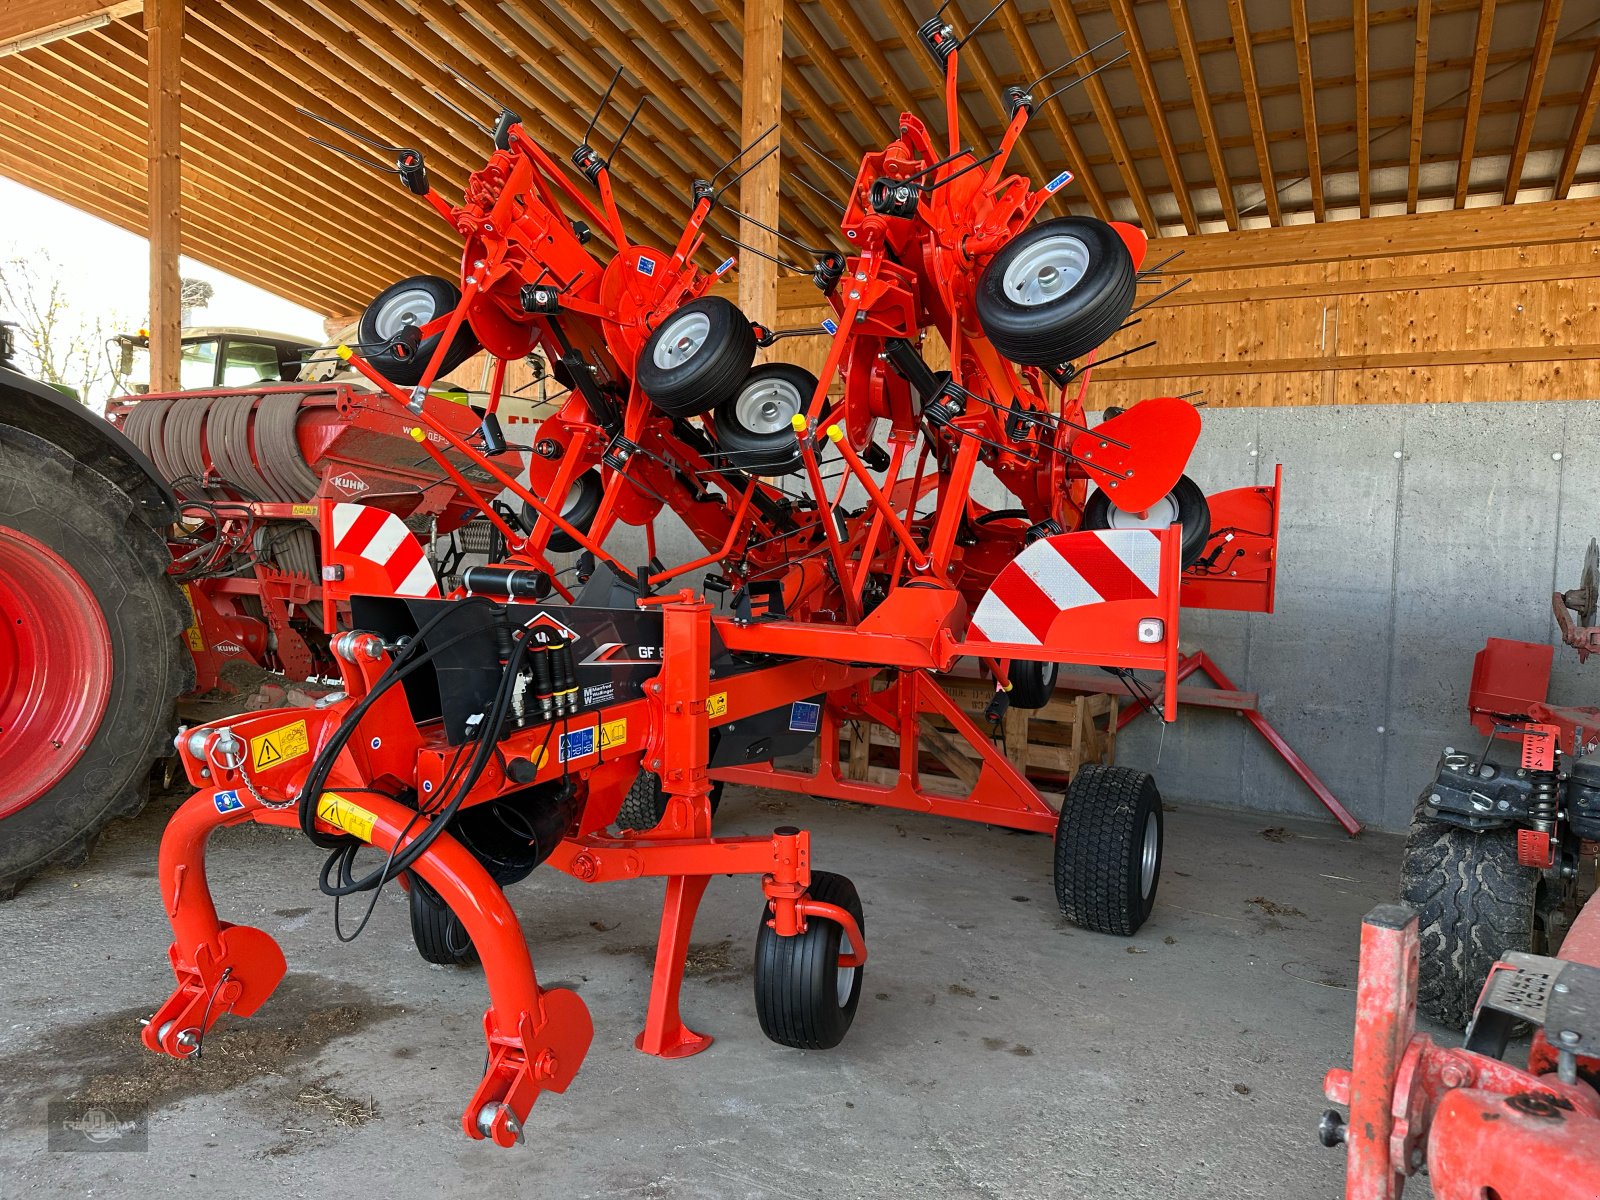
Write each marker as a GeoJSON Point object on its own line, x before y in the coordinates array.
{"type": "Point", "coordinates": [1480, 64]}
{"type": "Point", "coordinates": [1202, 111]}
{"type": "Point", "coordinates": [1582, 123]}
{"type": "Point", "coordinates": [797, 22]}
{"type": "Point", "coordinates": [761, 101]}
{"type": "Point", "coordinates": [1139, 60]}
{"type": "Point", "coordinates": [857, 41]}
{"type": "Point", "coordinates": [1538, 68]}
{"type": "Point", "coordinates": [1361, 30]}
{"type": "Point", "coordinates": [1252, 100]}
{"type": "Point", "coordinates": [36, 22]}
{"type": "Point", "coordinates": [1419, 95]}
{"type": "Point", "coordinates": [1308, 107]}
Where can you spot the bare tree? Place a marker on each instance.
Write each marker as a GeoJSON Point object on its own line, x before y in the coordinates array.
{"type": "Point", "coordinates": [58, 340]}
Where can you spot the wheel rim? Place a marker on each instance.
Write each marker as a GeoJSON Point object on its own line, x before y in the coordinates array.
{"type": "Point", "coordinates": [55, 668]}
{"type": "Point", "coordinates": [768, 406]}
{"type": "Point", "coordinates": [681, 339]}
{"type": "Point", "coordinates": [1149, 856]}
{"type": "Point", "coordinates": [1047, 270]}
{"type": "Point", "coordinates": [414, 306]}
{"type": "Point", "coordinates": [845, 981]}
{"type": "Point", "coordinates": [1162, 513]}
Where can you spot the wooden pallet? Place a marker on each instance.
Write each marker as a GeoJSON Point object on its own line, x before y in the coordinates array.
{"type": "Point", "coordinates": [1070, 730]}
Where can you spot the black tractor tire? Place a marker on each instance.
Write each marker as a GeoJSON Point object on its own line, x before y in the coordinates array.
{"type": "Point", "coordinates": [1474, 902]}
{"type": "Point", "coordinates": [1108, 849]}
{"type": "Point", "coordinates": [1032, 683]}
{"type": "Point", "coordinates": [1186, 501]}
{"type": "Point", "coordinates": [415, 302]}
{"type": "Point", "coordinates": [440, 936]}
{"type": "Point", "coordinates": [646, 803]}
{"type": "Point", "coordinates": [803, 998]}
{"type": "Point", "coordinates": [767, 398]}
{"type": "Point", "coordinates": [577, 510]}
{"type": "Point", "coordinates": [96, 529]}
{"type": "Point", "coordinates": [1032, 324]}
{"type": "Point", "coordinates": [697, 357]}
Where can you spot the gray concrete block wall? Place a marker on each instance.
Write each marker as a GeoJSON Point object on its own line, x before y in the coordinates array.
{"type": "Point", "coordinates": [1410, 533]}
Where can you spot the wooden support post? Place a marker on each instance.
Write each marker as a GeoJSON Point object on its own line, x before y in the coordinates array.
{"type": "Point", "coordinates": [163, 23]}
{"type": "Point", "coordinates": [758, 191]}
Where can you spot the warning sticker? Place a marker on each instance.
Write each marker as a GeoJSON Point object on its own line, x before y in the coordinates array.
{"type": "Point", "coordinates": [192, 634]}
{"type": "Point", "coordinates": [280, 745]}
{"type": "Point", "coordinates": [613, 733]}
{"type": "Point", "coordinates": [346, 815]}
{"type": "Point", "coordinates": [302, 510]}
{"type": "Point", "coordinates": [717, 705]}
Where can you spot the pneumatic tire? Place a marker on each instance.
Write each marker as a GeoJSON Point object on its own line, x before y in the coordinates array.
{"type": "Point", "coordinates": [1032, 683]}
{"type": "Point", "coordinates": [439, 935]}
{"type": "Point", "coordinates": [100, 540]}
{"type": "Point", "coordinates": [755, 427]}
{"type": "Point", "coordinates": [646, 803]}
{"type": "Point", "coordinates": [578, 510]}
{"type": "Point", "coordinates": [412, 302]}
{"type": "Point", "coordinates": [697, 357]}
{"type": "Point", "coordinates": [1185, 505]}
{"type": "Point", "coordinates": [804, 998]}
{"type": "Point", "coordinates": [1056, 291]}
{"type": "Point", "coordinates": [1108, 849]}
{"type": "Point", "coordinates": [1474, 902]}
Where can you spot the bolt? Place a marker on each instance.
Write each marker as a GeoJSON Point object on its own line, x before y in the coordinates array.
{"type": "Point", "coordinates": [1436, 799]}
{"type": "Point", "coordinates": [188, 1039]}
{"type": "Point", "coordinates": [478, 264]}
{"type": "Point", "coordinates": [855, 295]}
{"type": "Point", "coordinates": [474, 279]}
{"type": "Point", "coordinates": [1569, 1037]}
{"type": "Point", "coordinates": [861, 276]}
{"type": "Point", "coordinates": [1454, 1075]}
{"type": "Point", "coordinates": [1562, 989]}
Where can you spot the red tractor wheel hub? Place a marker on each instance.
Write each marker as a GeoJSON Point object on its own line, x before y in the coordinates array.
{"type": "Point", "coordinates": [55, 668]}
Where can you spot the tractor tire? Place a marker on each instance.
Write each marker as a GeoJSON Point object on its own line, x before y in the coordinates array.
{"type": "Point", "coordinates": [804, 998]}
{"type": "Point", "coordinates": [578, 510]}
{"type": "Point", "coordinates": [1474, 902]}
{"type": "Point", "coordinates": [696, 358]}
{"type": "Point", "coordinates": [1185, 506]}
{"type": "Point", "coordinates": [1032, 683]}
{"type": "Point", "coordinates": [91, 661]}
{"type": "Point", "coordinates": [646, 803]}
{"type": "Point", "coordinates": [1108, 849]}
{"type": "Point", "coordinates": [412, 302]}
{"type": "Point", "coordinates": [755, 427]}
{"type": "Point", "coordinates": [1056, 291]}
{"type": "Point", "coordinates": [440, 936]}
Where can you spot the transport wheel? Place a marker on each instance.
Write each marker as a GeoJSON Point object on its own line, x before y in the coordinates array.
{"type": "Point", "coordinates": [646, 803]}
{"type": "Point", "coordinates": [1108, 849]}
{"type": "Point", "coordinates": [91, 661]}
{"type": "Point", "coordinates": [1056, 291]}
{"type": "Point", "coordinates": [1185, 505]}
{"type": "Point", "coordinates": [1474, 902]}
{"type": "Point", "coordinates": [412, 302]}
{"type": "Point", "coordinates": [577, 510]}
{"type": "Point", "coordinates": [697, 357]}
{"type": "Point", "coordinates": [755, 427]}
{"type": "Point", "coordinates": [439, 934]}
{"type": "Point", "coordinates": [1032, 683]}
{"type": "Point", "coordinates": [804, 998]}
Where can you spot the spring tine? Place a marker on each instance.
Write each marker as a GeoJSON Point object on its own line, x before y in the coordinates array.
{"type": "Point", "coordinates": [1165, 262]}
{"type": "Point", "coordinates": [948, 158]}
{"type": "Point", "coordinates": [345, 129]}
{"type": "Point", "coordinates": [467, 83]}
{"type": "Point", "coordinates": [973, 32]}
{"type": "Point", "coordinates": [846, 174]}
{"type": "Point", "coordinates": [972, 166]}
{"type": "Point", "coordinates": [763, 254]}
{"type": "Point", "coordinates": [626, 130]}
{"type": "Point", "coordinates": [1124, 353]}
{"type": "Point", "coordinates": [1101, 467]}
{"type": "Point", "coordinates": [743, 150]}
{"type": "Point", "coordinates": [600, 108]}
{"type": "Point", "coordinates": [460, 112]}
{"type": "Point", "coordinates": [1081, 78]}
{"type": "Point", "coordinates": [816, 191]}
{"type": "Point", "coordinates": [354, 157]}
{"type": "Point", "coordinates": [1075, 58]}
{"type": "Point", "coordinates": [746, 171]}
{"type": "Point", "coordinates": [813, 250]}
{"type": "Point", "coordinates": [1162, 295]}
{"type": "Point", "coordinates": [1193, 394]}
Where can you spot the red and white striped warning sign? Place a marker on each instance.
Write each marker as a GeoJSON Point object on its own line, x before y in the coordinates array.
{"type": "Point", "coordinates": [1067, 571]}
{"type": "Point", "coordinates": [381, 538]}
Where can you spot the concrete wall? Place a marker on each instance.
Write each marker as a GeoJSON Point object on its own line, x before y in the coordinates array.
{"type": "Point", "coordinates": [1410, 533]}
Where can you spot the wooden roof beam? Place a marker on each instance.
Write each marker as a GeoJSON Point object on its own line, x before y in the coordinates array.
{"type": "Point", "coordinates": [1202, 110]}
{"type": "Point", "coordinates": [1252, 103]}
{"type": "Point", "coordinates": [1480, 63]}
{"type": "Point", "coordinates": [1308, 106]}
{"type": "Point", "coordinates": [806, 33]}
{"type": "Point", "coordinates": [858, 42]}
{"type": "Point", "coordinates": [761, 103]}
{"type": "Point", "coordinates": [25, 24]}
{"type": "Point", "coordinates": [1419, 95]}
{"type": "Point", "coordinates": [1361, 30]}
{"type": "Point", "coordinates": [1139, 60]}
{"type": "Point", "coordinates": [1544, 44]}
{"type": "Point", "coordinates": [1582, 123]}
{"type": "Point", "coordinates": [163, 36]}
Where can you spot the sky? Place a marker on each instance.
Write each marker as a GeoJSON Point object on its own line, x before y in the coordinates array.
{"type": "Point", "coordinates": [107, 269]}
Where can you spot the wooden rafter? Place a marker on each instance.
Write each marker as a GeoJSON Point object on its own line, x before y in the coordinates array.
{"type": "Point", "coordinates": [1419, 95]}
{"type": "Point", "coordinates": [1308, 107]}
{"type": "Point", "coordinates": [1361, 30]}
{"type": "Point", "coordinates": [163, 28]}
{"type": "Point", "coordinates": [1582, 123]}
{"type": "Point", "coordinates": [1139, 60]}
{"type": "Point", "coordinates": [1202, 110]}
{"type": "Point", "coordinates": [1544, 43]}
{"type": "Point", "coordinates": [1252, 101]}
{"type": "Point", "coordinates": [1480, 64]}
{"type": "Point", "coordinates": [761, 67]}
{"type": "Point", "coordinates": [857, 41]}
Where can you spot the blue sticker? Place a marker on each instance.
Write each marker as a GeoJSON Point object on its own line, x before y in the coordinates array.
{"type": "Point", "coordinates": [577, 744]}
{"type": "Point", "coordinates": [804, 716]}
{"type": "Point", "coordinates": [724, 267]}
{"type": "Point", "coordinates": [647, 266]}
{"type": "Point", "coordinates": [227, 802]}
{"type": "Point", "coordinates": [1059, 182]}
{"type": "Point", "coordinates": [830, 325]}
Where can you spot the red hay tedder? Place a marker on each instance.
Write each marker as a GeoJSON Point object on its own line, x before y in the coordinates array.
{"type": "Point", "coordinates": [492, 718]}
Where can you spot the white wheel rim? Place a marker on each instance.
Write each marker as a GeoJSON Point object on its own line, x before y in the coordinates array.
{"type": "Point", "coordinates": [845, 980]}
{"type": "Point", "coordinates": [681, 338]}
{"type": "Point", "coordinates": [575, 495]}
{"type": "Point", "coordinates": [768, 406]}
{"type": "Point", "coordinates": [411, 307]}
{"type": "Point", "coordinates": [1046, 271]}
{"type": "Point", "coordinates": [1149, 856]}
{"type": "Point", "coordinates": [1162, 513]}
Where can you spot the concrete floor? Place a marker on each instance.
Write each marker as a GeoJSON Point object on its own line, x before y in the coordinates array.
{"type": "Point", "coordinates": [997, 1052]}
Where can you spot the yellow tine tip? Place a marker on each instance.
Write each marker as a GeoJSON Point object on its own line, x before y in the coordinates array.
{"type": "Point", "coordinates": [798, 421]}
{"type": "Point", "coordinates": [835, 434]}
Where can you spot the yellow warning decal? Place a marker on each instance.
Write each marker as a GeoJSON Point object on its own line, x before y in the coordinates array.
{"type": "Point", "coordinates": [346, 815]}
{"type": "Point", "coordinates": [302, 510]}
{"type": "Point", "coordinates": [192, 634]}
{"type": "Point", "coordinates": [270, 749]}
{"type": "Point", "coordinates": [613, 733]}
{"type": "Point", "coordinates": [717, 705]}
